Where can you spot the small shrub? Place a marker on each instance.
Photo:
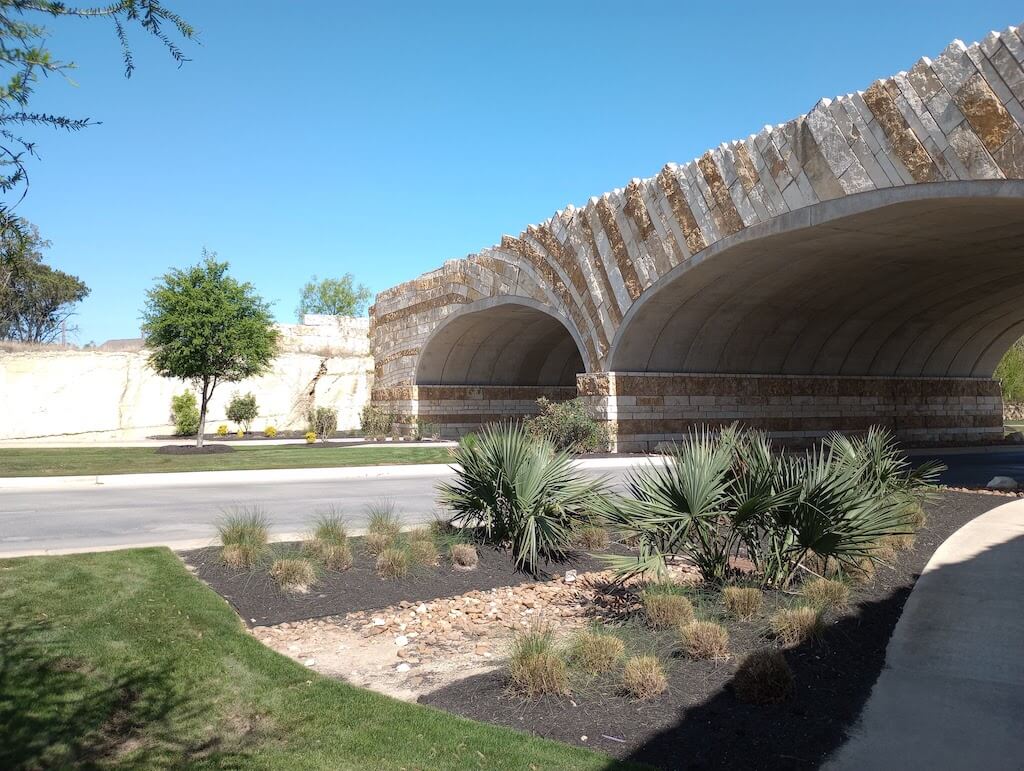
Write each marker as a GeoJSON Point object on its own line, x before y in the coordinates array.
{"type": "Point", "coordinates": [243, 411]}
{"type": "Point", "coordinates": [535, 667]}
{"type": "Point", "coordinates": [270, 432]}
{"type": "Point", "coordinates": [243, 537]}
{"type": "Point", "coordinates": [568, 426]}
{"type": "Point", "coordinates": [764, 677]}
{"type": "Point", "coordinates": [742, 602]}
{"type": "Point", "coordinates": [375, 543]}
{"type": "Point", "coordinates": [792, 626]}
{"type": "Point", "coordinates": [222, 430]}
{"type": "Point", "coordinates": [382, 520]}
{"type": "Point", "coordinates": [393, 562]}
{"type": "Point", "coordinates": [643, 677]}
{"type": "Point", "coordinates": [596, 652]}
{"type": "Point", "coordinates": [423, 552]}
{"type": "Point", "coordinates": [593, 538]}
{"type": "Point", "coordinates": [375, 422]}
{"type": "Point", "coordinates": [185, 414]}
{"type": "Point", "coordinates": [293, 574]}
{"type": "Point", "coordinates": [310, 437]}
{"type": "Point", "coordinates": [704, 640]}
{"type": "Point", "coordinates": [464, 556]}
{"type": "Point", "coordinates": [665, 610]}
{"type": "Point", "coordinates": [323, 422]}
{"type": "Point", "coordinates": [825, 593]}
{"type": "Point", "coordinates": [240, 434]}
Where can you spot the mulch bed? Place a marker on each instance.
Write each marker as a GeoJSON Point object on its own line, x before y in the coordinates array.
{"type": "Point", "coordinates": [259, 601]}
{"type": "Point", "coordinates": [699, 723]}
{"type": "Point", "coordinates": [191, 449]}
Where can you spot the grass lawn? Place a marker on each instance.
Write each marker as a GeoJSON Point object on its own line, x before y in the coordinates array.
{"type": "Point", "coordinates": [47, 462]}
{"type": "Point", "coordinates": [123, 659]}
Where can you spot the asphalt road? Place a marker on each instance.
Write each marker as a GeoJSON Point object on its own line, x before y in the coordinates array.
{"type": "Point", "coordinates": [86, 518]}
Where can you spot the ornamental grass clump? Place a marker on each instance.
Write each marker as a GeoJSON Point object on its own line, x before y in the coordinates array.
{"type": "Point", "coordinates": [382, 520]}
{"type": "Point", "coordinates": [704, 640]}
{"type": "Point", "coordinates": [825, 594]}
{"type": "Point", "coordinates": [243, 536]}
{"type": "Point", "coordinates": [743, 602]}
{"type": "Point", "coordinates": [643, 677]}
{"type": "Point", "coordinates": [764, 677]}
{"type": "Point", "coordinates": [423, 552]}
{"type": "Point", "coordinates": [464, 556]}
{"type": "Point", "coordinates": [329, 543]}
{"type": "Point", "coordinates": [517, 491]}
{"type": "Point", "coordinates": [595, 652]}
{"type": "Point", "coordinates": [535, 667]}
{"type": "Point", "coordinates": [792, 626]}
{"type": "Point", "coordinates": [393, 563]}
{"type": "Point", "coordinates": [293, 574]}
{"type": "Point", "coordinates": [593, 538]}
{"type": "Point", "coordinates": [665, 609]}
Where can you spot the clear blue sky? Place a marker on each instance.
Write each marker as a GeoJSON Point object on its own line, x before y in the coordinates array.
{"type": "Point", "coordinates": [383, 138]}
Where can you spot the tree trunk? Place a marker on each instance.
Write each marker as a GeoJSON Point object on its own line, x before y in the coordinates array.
{"type": "Point", "coordinates": [202, 413]}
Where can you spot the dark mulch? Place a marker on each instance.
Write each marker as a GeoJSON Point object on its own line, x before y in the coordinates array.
{"type": "Point", "coordinates": [260, 602]}
{"type": "Point", "coordinates": [699, 723]}
{"type": "Point", "coordinates": [191, 449]}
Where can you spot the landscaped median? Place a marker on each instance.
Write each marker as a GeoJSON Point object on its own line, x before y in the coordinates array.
{"type": "Point", "coordinates": [82, 461]}
{"type": "Point", "coordinates": [123, 659]}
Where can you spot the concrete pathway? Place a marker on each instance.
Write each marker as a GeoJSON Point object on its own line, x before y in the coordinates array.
{"type": "Point", "coordinates": [951, 695]}
{"type": "Point", "coordinates": [55, 515]}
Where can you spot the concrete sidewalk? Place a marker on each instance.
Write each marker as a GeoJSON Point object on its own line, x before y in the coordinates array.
{"type": "Point", "coordinates": [951, 695]}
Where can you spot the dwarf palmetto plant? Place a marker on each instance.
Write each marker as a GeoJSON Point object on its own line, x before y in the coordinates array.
{"type": "Point", "coordinates": [518, 491]}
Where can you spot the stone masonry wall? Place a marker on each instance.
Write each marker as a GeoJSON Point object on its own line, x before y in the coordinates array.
{"type": "Point", "coordinates": [648, 408]}
{"type": "Point", "coordinates": [115, 395]}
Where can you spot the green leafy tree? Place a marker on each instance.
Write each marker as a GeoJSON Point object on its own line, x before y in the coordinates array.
{"type": "Point", "coordinates": [25, 55]}
{"type": "Point", "coordinates": [36, 300]}
{"type": "Point", "coordinates": [1010, 373]}
{"type": "Point", "coordinates": [333, 297]}
{"type": "Point", "coordinates": [204, 326]}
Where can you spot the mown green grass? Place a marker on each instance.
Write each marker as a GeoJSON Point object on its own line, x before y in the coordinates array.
{"type": "Point", "coordinates": [45, 462]}
{"type": "Point", "coordinates": [124, 660]}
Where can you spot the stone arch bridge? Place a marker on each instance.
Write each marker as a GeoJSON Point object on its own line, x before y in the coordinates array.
{"type": "Point", "coordinates": [862, 264]}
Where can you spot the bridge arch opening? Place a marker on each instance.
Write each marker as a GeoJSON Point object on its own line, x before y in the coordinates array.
{"type": "Point", "coordinates": [506, 343]}
{"type": "Point", "coordinates": [920, 281]}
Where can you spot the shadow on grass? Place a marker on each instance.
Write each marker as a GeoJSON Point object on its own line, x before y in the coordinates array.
{"type": "Point", "coordinates": [60, 712]}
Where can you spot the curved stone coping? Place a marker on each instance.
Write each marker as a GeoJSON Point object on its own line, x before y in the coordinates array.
{"type": "Point", "coordinates": [951, 695]}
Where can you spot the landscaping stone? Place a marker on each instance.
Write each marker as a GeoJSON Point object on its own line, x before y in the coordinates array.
{"type": "Point", "coordinates": [1002, 483]}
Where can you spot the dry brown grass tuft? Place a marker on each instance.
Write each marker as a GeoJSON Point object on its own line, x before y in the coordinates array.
{"type": "Point", "coordinates": [464, 556]}
{"type": "Point", "coordinates": [329, 543]}
{"type": "Point", "coordinates": [335, 556]}
{"type": "Point", "coordinates": [916, 518]}
{"type": "Point", "coordinates": [704, 640]}
{"type": "Point", "coordinates": [423, 552]}
{"type": "Point", "coordinates": [375, 543]}
{"type": "Point", "coordinates": [764, 677]}
{"type": "Point", "coordinates": [595, 652]}
{"type": "Point", "coordinates": [665, 610]}
{"type": "Point", "coordinates": [742, 602]}
{"type": "Point", "coordinates": [825, 593]}
{"type": "Point", "coordinates": [792, 626]}
{"type": "Point", "coordinates": [293, 574]}
{"type": "Point", "coordinates": [863, 572]}
{"type": "Point", "coordinates": [822, 566]}
{"type": "Point", "coordinates": [393, 563]}
{"type": "Point", "coordinates": [535, 667]}
{"type": "Point", "coordinates": [899, 543]}
{"type": "Point", "coordinates": [593, 538]}
{"type": "Point", "coordinates": [241, 556]}
{"type": "Point", "coordinates": [643, 677]}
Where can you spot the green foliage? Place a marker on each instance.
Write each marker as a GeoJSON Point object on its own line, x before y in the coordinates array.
{"type": "Point", "coordinates": [719, 495]}
{"type": "Point", "coordinates": [185, 414]}
{"type": "Point", "coordinates": [568, 426]}
{"type": "Point", "coordinates": [243, 535]}
{"type": "Point", "coordinates": [375, 421]}
{"type": "Point", "coordinates": [243, 410]}
{"type": "Point", "coordinates": [36, 300]}
{"type": "Point", "coordinates": [333, 297]}
{"type": "Point", "coordinates": [205, 327]}
{"type": "Point", "coordinates": [535, 666]}
{"type": "Point", "coordinates": [520, 492]}
{"type": "Point", "coordinates": [28, 59]}
{"type": "Point", "coordinates": [323, 421]}
{"type": "Point", "coordinates": [1010, 372]}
